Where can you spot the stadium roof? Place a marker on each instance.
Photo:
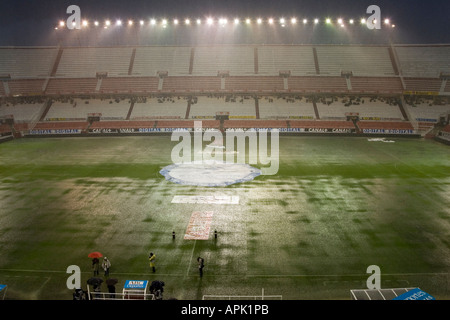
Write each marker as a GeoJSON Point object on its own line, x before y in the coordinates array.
{"type": "Point", "coordinates": [32, 23]}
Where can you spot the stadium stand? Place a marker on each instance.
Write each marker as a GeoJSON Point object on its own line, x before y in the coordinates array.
{"type": "Point", "coordinates": [423, 61]}
{"type": "Point", "coordinates": [315, 84]}
{"type": "Point", "coordinates": [363, 106]}
{"type": "Point", "coordinates": [26, 87]}
{"type": "Point", "coordinates": [191, 84]}
{"type": "Point", "coordinates": [159, 108]}
{"type": "Point", "coordinates": [122, 124]}
{"type": "Point", "coordinates": [22, 112]}
{"type": "Point", "coordinates": [59, 86]}
{"type": "Point", "coordinates": [27, 62]}
{"type": "Point", "coordinates": [237, 60]}
{"type": "Point", "coordinates": [254, 84]}
{"type": "Point", "coordinates": [169, 87]}
{"type": "Point", "coordinates": [423, 84]}
{"type": "Point", "coordinates": [86, 62]}
{"type": "Point", "coordinates": [246, 124]}
{"type": "Point", "coordinates": [61, 125]}
{"type": "Point", "coordinates": [79, 109]}
{"type": "Point", "coordinates": [286, 108]}
{"type": "Point", "coordinates": [299, 60]}
{"type": "Point", "coordinates": [213, 124]}
{"type": "Point", "coordinates": [322, 124]}
{"type": "Point", "coordinates": [361, 60]}
{"type": "Point", "coordinates": [236, 106]}
{"type": "Point", "coordinates": [129, 85]}
{"type": "Point", "coordinates": [149, 61]}
{"type": "Point", "coordinates": [389, 85]}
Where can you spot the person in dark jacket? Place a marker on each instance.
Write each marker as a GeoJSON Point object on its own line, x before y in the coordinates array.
{"type": "Point", "coordinates": [201, 265]}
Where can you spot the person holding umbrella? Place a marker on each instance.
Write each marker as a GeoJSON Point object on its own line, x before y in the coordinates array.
{"type": "Point", "coordinates": [106, 264]}
{"type": "Point", "coordinates": [95, 262]}
{"type": "Point", "coordinates": [111, 287]}
{"type": "Point", "coordinates": [95, 266]}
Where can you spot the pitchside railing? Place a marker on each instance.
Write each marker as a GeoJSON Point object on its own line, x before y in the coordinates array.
{"type": "Point", "coordinates": [128, 295]}
{"type": "Point", "coordinates": [244, 297]}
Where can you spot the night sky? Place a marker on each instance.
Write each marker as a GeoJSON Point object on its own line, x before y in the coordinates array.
{"type": "Point", "coordinates": [32, 22]}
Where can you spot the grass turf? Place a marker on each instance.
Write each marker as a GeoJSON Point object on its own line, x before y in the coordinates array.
{"type": "Point", "coordinates": [336, 206]}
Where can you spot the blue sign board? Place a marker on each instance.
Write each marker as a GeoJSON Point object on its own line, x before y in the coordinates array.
{"type": "Point", "coordinates": [415, 294]}
{"type": "Point", "coordinates": [135, 284]}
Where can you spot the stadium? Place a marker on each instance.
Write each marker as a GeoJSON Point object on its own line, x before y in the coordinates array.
{"type": "Point", "coordinates": [88, 132]}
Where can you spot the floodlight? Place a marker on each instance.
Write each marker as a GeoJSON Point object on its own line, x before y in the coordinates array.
{"type": "Point", "coordinates": [84, 23]}
{"type": "Point", "coordinates": [61, 24]}
{"type": "Point", "coordinates": [223, 21]}
{"type": "Point", "coordinates": [141, 22]}
{"type": "Point", "coordinates": [96, 23]}
{"type": "Point", "coordinates": [187, 21]}
{"type": "Point", "coordinates": [328, 21]}
{"type": "Point", "coordinates": [209, 21]}
{"type": "Point", "coordinates": [386, 21]}
{"type": "Point", "coordinates": [236, 21]}
{"type": "Point", "coordinates": [118, 22]}
{"type": "Point", "coordinates": [247, 21]}
{"type": "Point", "coordinates": [199, 21]}
{"type": "Point", "coordinates": [270, 21]}
{"type": "Point", "coordinates": [282, 21]}
{"type": "Point", "coordinates": [175, 21]}
{"type": "Point", "coordinates": [130, 22]}
{"type": "Point", "coordinates": [363, 21]}
{"type": "Point", "coordinates": [259, 21]}
{"type": "Point", "coordinates": [352, 21]}
{"type": "Point", "coordinates": [305, 21]}
{"type": "Point", "coordinates": [293, 21]}
{"type": "Point", "coordinates": [316, 21]}
{"type": "Point", "coordinates": [107, 23]}
{"type": "Point", "coordinates": [153, 22]}
{"type": "Point", "coordinates": [340, 21]}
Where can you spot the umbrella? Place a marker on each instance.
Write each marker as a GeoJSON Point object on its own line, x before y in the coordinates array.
{"type": "Point", "coordinates": [95, 281]}
{"type": "Point", "coordinates": [111, 282]}
{"type": "Point", "coordinates": [95, 254]}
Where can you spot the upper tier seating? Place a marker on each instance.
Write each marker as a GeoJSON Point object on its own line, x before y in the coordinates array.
{"type": "Point", "coordinates": [27, 62]}
{"type": "Point", "coordinates": [423, 61]}
{"type": "Point", "coordinates": [361, 60]}
{"type": "Point", "coordinates": [86, 62]}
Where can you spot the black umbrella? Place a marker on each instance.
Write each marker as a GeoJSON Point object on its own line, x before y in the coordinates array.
{"type": "Point", "coordinates": [95, 281]}
{"type": "Point", "coordinates": [111, 282]}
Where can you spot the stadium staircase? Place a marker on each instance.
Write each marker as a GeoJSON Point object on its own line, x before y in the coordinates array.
{"type": "Point", "coordinates": [316, 110]}
{"type": "Point", "coordinates": [130, 110]}
{"type": "Point", "coordinates": [133, 56]}
{"type": "Point", "coordinates": [433, 132]}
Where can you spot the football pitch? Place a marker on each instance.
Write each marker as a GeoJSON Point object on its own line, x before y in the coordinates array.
{"type": "Point", "coordinates": [336, 206]}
